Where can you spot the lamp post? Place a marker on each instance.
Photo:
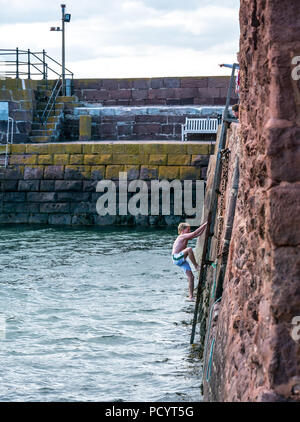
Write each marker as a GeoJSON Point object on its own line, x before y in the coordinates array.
{"type": "Point", "coordinates": [65, 17]}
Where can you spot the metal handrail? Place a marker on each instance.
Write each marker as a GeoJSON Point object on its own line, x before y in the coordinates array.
{"type": "Point", "coordinates": [29, 54]}
{"type": "Point", "coordinates": [51, 102]}
{"type": "Point", "coordinates": [9, 138]}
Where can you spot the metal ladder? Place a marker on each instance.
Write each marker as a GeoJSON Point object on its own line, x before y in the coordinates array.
{"type": "Point", "coordinates": [226, 120]}
{"type": "Point", "coordinates": [4, 156]}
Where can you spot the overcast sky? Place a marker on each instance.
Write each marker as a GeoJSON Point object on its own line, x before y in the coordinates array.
{"type": "Point", "coordinates": [128, 38]}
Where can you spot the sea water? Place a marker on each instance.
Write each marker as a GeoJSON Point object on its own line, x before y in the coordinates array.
{"type": "Point", "coordinates": [94, 315]}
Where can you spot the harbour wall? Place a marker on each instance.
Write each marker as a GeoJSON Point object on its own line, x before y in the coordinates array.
{"type": "Point", "coordinates": [176, 91]}
{"type": "Point", "coordinates": [156, 107]}
{"type": "Point", "coordinates": [56, 183]}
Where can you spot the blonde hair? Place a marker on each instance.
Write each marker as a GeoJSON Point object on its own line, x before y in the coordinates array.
{"type": "Point", "coordinates": [182, 226]}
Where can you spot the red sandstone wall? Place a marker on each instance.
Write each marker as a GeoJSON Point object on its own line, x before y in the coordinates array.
{"type": "Point", "coordinates": [154, 91]}
{"type": "Point", "coordinates": [255, 356]}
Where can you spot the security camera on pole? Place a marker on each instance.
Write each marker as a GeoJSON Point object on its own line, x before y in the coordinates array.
{"type": "Point", "coordinates": [66, 17]}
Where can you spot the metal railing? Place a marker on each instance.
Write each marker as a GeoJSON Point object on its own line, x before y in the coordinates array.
{"type": "Point", "coordinates": [25, 63]}
{"type": "Point", "coordinates": [51, 102]}
{"type": "Point", "coordinates": [9, 140]}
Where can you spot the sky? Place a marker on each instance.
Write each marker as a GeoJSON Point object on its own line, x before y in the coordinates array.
{"type": "Point", "coordinates": [128, 38]}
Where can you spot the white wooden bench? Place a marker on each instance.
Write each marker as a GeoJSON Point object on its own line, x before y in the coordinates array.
{"type": "Point", "coordinates": [198, 126]}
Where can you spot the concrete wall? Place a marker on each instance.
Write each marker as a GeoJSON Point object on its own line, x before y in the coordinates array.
{"type": "Point", "coordinates": [56, 183]}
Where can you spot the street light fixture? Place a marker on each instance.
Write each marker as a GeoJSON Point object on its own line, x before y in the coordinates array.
{"type": "Point", "coordinates": [66, 17]}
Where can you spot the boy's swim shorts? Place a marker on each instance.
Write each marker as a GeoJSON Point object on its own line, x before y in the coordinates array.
{"type": "Point", "coordinates": [178, 259]}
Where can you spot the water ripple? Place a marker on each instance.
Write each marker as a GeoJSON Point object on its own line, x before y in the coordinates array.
{"type": "Point", "coordinates": [94, 315]}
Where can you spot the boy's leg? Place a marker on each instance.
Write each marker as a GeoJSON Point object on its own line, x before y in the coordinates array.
{"type": "Point", "coordinates": [188, 252]}
{"type": "Point", "coordinates": [191, 283]}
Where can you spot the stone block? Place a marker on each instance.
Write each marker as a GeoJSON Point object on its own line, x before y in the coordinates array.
{"type": "Point", "coordinates": [172, 82]}
{"type": "Point", "coordinates": [159, 159]}
{"type": "Point", "coordinates": [28, 185]}
{"type": "Point", "coordinates": [179, 148]}
{"type": "Point", "coordinates": [199, 149]}
{"type": "Point", "coordinates": [82, 220]}
{"type": "Point", "coordinates": [176, 119]}
{"type": "Point", "coordinates": [132, 149]}
{"type": "Point", "coordinates": [167, 129]}
{"type": "Point", "coordinates": [90, 185]}
{"type": "Point", "coordinates": [47, 185]}
{"type": "Point", "coordinates": [45, 159]}
{"type": "Point", "coordinates": [126, 159]}
{"type": "Point", "coordinates": [8, 185]}
{"type": "Point", "coordinates": [5, 95]}
{"type": "Point", "coordinates": [72, 148]}
{"type": "Point", "coordinates": [23, 159]}
{"type": "Point", "coordinates": [125, 83]}
{"type": "Point", "coordinates": [100, 148]}
{"type": "Point", "coordinates": [97, 159]}
{"type": "Point", "coordinates": [190, 173]}
{"type": "Point", "coordinates": [161, 94]}
{"type": "Point", "coordinates": [19, 218]}
{"type": "Point", "coordinates": [140, 94]}
{"type": "Point", "coordinates": [149, 173]}
{"type": "Point", "coordinates": [168, 172]}
{"type": "Point", "coordinates": [38, 218]}
{"type": "Point", "coordinates": [81, 208]}
{"type": "Point", "coordinates": [76, 159]}
{"type": "Point", "coordinates": [50, 208]}
{"type": "Point", "coordinates": [108, 129]}
{"type": "Point", "coordinates": [141, 83]}
{"type": "Point", "coordinates": [36, 149]}
{"type": "Point", "coordinates": [218, 82]}
{"type": "Point", "coordinates": [59, 219]}
{"type": "Point", "coordinates": [14, 197]}
{"type": "Point", "coordinates": [200, 160]}
{"type": "Point", "coordinates": [146, 129]}
{"type": "Point", "coordinates": [133, 172]}
{"type": "Point", "coordinates": [77, 172]}
{"type": "Point", "coordinates": [54, 172]}
{"type": "Point", "coordinates": [16, 207]}
{"type": "Point", "coordinates": [119, 148]}
{"type": "Point", "coordinates": [85, 128]}
{"type": "Point", "coordinates": [68, 185]}
{"type": "Point", "coordinates": [33, 172]}
{"type": "Point", "coordinates": [157, 83]}
{"type": "Point", "coordinates": [119, 94]}
{"type": "Point", "coordinates": [17, 149]}
{"type": "Point", "coordinates": [110, 84]}
{"type": "Point", "coordinates": [61, 159]}
{"type": "Point", "coordinates": [97, 172]}
{"type": "Point", "coordinates": [194, 82]}
{"type": "Point", "coordinates": [73, 197]}
{"type": "Point", "coordinates": [105, 220]}
{"type": "Point", "coordinates": [179, 159]}
{"type": "Point", "coordinates": [41, 196]}
{"type": "Point", "coordinates": [112, 172]}
{"type": "Point", "coordinates": [124, 130]}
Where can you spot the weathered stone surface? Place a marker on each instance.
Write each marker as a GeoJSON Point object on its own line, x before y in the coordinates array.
{"type": "Point", "coordinates": [255, 357]}
{"type": "Point", "coordinates": [59, 219]}
{"type": "Point", "coordinates": [41, 197]}
{"type": "Point", "coordinates": [68, 185]}
{"type": "Point", "coordinates": [28, 185]}
{"type": "Point", "coordinates": [54, 172]}
{"type": "Point", "coordinates": [33, 173]}
{"type": "Point", "coordinates": [8, 186]}
{"type": "Point", "coordinates": [55, 207]}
